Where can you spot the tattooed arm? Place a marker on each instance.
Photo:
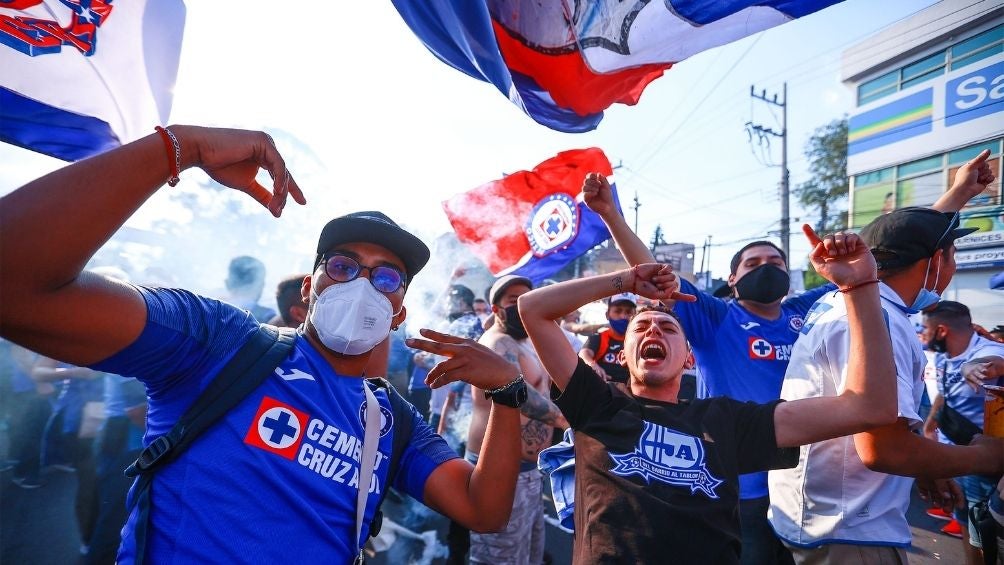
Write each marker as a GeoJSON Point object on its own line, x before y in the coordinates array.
{"type": "Point", "coordinates": [537, 406]}
{"type": "Point", "coordinates": [540, 408]}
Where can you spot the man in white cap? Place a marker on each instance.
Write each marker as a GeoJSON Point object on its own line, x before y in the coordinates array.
{"type": "Point", "coordinates": [522, 541]}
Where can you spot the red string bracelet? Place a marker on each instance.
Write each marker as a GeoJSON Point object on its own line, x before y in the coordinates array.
{"type": "Point", "coordinates": [173, 147]}
{"type": "Point", "coordinates": [859, 285]}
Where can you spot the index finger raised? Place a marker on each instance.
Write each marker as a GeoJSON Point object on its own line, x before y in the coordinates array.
{"type": "Point", "coordinates": [811, 235]}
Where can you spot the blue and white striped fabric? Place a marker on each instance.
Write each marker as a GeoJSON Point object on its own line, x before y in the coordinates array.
{"type": "Point", "coordinates": [80, 78]}
{"type": "Point", "coordinates": [558, 463]}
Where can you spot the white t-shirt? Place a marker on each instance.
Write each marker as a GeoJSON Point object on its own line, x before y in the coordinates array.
{"type": "Point", "coordinates": [831, 497]}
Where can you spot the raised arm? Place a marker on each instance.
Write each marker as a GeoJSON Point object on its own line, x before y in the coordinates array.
{"type": "Point", "coordinates": [970, 180]}
{"type": "Point", "coordinates": [599, 198]}
{"type": "Point", "coordinates": [869, 396]}
{"type": "Point", "coordinates": [478, 496]}
{"type": "Point", "coordinates": [52, 226]}
{"type": "Point", "coordinates": [540, 308]}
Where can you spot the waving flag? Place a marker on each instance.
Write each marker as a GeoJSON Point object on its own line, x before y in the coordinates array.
{"type": "Point", "coordinates": [83, 76]}
{"type": "Point", "coordinates": [564, 62]}
{"type": "Point", "coordinates": [532, 223]}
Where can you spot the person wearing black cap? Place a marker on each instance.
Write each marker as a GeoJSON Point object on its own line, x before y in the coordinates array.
{"type": "Point", "coordinates": [847, 498]}
{"type": "Point", "coordinates": [522, 540]}
{"type": "Point", "coordinates": [277, 478]}
{"type": "Point", "coordinates": [741, 345]}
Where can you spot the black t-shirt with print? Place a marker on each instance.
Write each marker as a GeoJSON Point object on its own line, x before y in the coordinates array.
{"type": "Point", "coordinates": [657, 482]}
{"type": "Point", "coordinates": [607, 360]}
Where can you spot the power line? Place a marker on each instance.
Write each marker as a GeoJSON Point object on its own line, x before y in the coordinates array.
{"type": "Point", "coordinates": [817, 70]}
{"type": "Point", "coordinates": [701, 103]}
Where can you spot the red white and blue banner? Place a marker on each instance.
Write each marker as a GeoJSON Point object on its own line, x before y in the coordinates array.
{"type": "Point", "coordinates": [532, 223]}
{"type": "Point", "coordinates": [564, 62]}
{"type": "Point", "coordinates": [80, 77]}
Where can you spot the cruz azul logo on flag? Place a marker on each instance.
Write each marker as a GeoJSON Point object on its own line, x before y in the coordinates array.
{"type": "Point", "coordinates": [33, 36]}
{"type": "Point", "coordinates": [553, 224]}
{"type": "Point", "coordinates": [277, 427]}
{"type": "Point", "coordinates": [669, 457]}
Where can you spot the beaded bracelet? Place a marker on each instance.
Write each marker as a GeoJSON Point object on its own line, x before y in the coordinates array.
{"type": "Point", "coordinates": [171, 145]}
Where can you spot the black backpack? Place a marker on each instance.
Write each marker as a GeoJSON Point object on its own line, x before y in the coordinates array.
{"type": "Point", "coordinates": [249, 367]}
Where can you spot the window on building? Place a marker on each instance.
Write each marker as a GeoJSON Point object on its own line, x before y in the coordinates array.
{"type": "Point", "coordinates": [921, 182]}
{"type": "Point", "coordinates": [992, 195]}
{"type": "Point", "coordinates": [935, 163]}
{"type": "Point", "coordinates": [986, 44]}
{"type": "Point", "coordinates": [976, 48]}
{"type": "Point", "coordinates": [920, 191]}
{"type": "Point", "coordinates": [924, 69]}
{"type": "Point", "coordinates": [874, 194]}
{"type": "Point", "coordinates": [877, 88]}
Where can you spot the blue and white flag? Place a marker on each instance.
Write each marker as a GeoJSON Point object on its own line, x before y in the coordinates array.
{"type": "Point", "coordinates": [81, 77]}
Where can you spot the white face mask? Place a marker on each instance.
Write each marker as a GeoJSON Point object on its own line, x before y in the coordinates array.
{"type": "Point", "coordinates": [351, 318]}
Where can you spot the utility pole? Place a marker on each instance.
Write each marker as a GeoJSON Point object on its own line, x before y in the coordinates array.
{"type": "Point", "coordinates": [761, 132]}
{"type": "Point", "coordinates": [637, 205]}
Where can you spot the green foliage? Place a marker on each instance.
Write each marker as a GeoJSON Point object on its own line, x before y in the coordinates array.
{"type": "Point", "coordinates": [811, 279]}
{"type": "Point", "coordinates": [826, 190]}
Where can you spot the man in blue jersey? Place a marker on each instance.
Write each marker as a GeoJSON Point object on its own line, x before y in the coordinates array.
{"type": "Point", "coordinates": [741, 346]}
{"type": "Point", "coordinates": [277, 479]}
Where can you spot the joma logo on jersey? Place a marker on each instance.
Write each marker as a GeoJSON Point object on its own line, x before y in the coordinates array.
{"type": "Point", "coordinates": [670, 457]}
{"type": "Point", "coordinates": [277, 427]}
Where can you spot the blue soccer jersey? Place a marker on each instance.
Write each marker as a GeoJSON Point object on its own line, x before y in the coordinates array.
{"type": "Point", "coordinates": [741, 355]}
{"type": "Point", "coordinates": [276, 479]}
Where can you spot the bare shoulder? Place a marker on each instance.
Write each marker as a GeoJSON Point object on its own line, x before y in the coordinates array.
{"type": "Point", "coordinates": [499, 342]}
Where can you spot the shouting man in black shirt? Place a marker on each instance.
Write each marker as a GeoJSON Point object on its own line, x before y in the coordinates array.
{"type": "Point", "coordinates": [657, 480]}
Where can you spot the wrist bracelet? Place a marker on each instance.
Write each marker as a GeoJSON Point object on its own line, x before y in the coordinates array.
{"type": "Point", "coordinates": [858, 285]}
{"type": "Point", "coordinates": [172, 146]}
{"type": "Point", "coordinates": [515, 381]}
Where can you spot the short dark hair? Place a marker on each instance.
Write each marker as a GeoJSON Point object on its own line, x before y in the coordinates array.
{"type": "Point", "coordinates": [287, 294]}
{"type": "Point", "coordinates": [737, 258]}
{"type": "Point", "coordinates": [953, 314]}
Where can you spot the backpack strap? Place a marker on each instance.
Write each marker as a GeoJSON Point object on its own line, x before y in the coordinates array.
{"type": "Point", "coordinates": [403, 420]}
{"type": "Point", "coordinates": [246, 370]}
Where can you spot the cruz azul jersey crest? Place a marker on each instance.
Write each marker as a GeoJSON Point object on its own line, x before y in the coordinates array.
{"type": "Point", "coordinates": [670, 457]}
{"type": "Point", "coordinates": [553, 224]}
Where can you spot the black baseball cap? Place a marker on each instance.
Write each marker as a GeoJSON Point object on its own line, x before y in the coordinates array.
{"type": "Point", "coordinates": [374, 227]}
{"type": "Point", "coordinates": [907, 235]}
{"type": "Point", "coordinates": [465, 294]}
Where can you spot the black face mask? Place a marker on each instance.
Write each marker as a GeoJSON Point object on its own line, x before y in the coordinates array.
{"type": "Point", "coordinates": [513, 323]}
{"type": "Point", "coordinates": [764, 284]}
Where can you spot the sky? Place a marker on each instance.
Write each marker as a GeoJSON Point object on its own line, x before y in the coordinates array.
{"type": "Point", "coordinates": [375, 121]}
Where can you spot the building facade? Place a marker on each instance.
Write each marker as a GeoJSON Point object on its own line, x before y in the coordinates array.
{"type": "Point", "coordinates": [929, 94]}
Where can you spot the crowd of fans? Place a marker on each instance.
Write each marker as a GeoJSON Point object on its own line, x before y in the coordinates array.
{"type": "Point", "coordinates": [751, 428]}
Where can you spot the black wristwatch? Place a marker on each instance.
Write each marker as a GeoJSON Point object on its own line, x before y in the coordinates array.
{"type": "Point", "coordinates": [512, 394]}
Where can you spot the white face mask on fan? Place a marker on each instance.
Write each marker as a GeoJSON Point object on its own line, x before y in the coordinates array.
{"type": "Point", "coordinates": [351, 318]}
